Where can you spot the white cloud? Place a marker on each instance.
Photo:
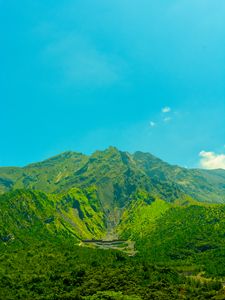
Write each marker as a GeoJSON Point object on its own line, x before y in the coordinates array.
{"type": "Point", "coordinates": [152, 124]}
{"type": "Point", "coordinates": [167, 119]}
{"type": "Point", "coordinates": [166, 109]}
{"type": "Point", "coordinates": [211, 160]}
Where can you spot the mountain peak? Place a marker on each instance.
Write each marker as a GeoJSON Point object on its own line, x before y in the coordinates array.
{"type": "Point", "coordinates": [108, 152]}
{"type": "Point", "coordinates": [110, 149]}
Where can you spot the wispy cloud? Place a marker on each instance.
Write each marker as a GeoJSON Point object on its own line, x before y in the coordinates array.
{"type": "Point", "coordinates": [164, 117]}
{"type": "Point", "coordinates": [77, 60]}
{"type": "Point", "coordinates": [152, 124]}
{"type": "Point", "coordinates": [166, 109]}
{"type": "Point", "coordinates": [211, 160]}
{"type": "Point", "coordinates": [167, 119]}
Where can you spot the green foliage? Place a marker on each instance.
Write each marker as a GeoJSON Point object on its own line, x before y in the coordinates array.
{"type": "Point", "coordinates": [178, 234]}
{"type": "Point", "coordinates": [109, 295]}
{"type": "Point", "coordinates": [140, 217]}
{"type": "Point", "coordinates": [50, 271]}
{"type": "Point", "coordinates": [32, 215]}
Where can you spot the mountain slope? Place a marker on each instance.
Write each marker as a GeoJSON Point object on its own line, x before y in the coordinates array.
{"type": "Point", "coordinates": [32, 215]}
{"type": "Point", "coordinates": [182, 233]}
{"type": "Point", "coordinates": [202, 185]}
{"type": "Point", "coordinates": [46, 176]}
{"type": "Point", "coordinates": [117, 175]}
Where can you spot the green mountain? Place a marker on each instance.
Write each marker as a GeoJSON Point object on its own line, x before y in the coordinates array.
{"type": "Point", "coordinates": [117, 175]}
{"type": "Point", "coordinates": [173, 216]}
{"type": "Point", "coordinates": [89, 196]}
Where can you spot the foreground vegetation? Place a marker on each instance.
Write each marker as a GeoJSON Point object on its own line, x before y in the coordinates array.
{"type": "Point", "coordinates": [64, 271]}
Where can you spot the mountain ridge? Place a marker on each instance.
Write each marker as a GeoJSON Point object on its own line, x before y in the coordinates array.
{"type": "Point", "coordinates": [69, 169]}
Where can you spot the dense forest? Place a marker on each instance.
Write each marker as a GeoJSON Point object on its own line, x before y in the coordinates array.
{"type": "Point", "coordinates": [61, 270]}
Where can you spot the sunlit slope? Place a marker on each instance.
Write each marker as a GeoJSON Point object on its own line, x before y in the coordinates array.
{"type": "Point", "coordinates": [32, 215]}
{"type": "Point", "coordinates": [185, 232]}
{"type": "Point", "coordinates": [45, 176]}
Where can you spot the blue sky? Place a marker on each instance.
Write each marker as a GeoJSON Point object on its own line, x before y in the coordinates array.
{"type": "Point", "coordinates": [137, 74]}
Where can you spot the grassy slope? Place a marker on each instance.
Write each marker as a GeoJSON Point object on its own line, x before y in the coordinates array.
{"type": "Point", "coordinates": [32, 215]}
{"type": "Point", "coordinates": [183, 233]}
{"type": "Point", "coordinates": [45, 176]}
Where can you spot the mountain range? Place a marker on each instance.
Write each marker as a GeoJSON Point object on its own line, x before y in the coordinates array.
{"type": "Point", "coordinates": [120, 172]}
